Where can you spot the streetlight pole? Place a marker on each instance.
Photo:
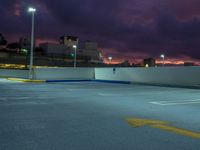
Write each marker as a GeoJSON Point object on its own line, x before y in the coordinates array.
{"type": "Point", "coordinates": [32, 11]}
{"type": "Point", "coordinates": [163, 59]}
{"type": "Point", "coordinates": [110, 59]}
{"type": "Point", "coordinates": [75, 48]}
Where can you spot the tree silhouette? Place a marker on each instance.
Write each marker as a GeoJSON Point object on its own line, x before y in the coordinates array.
{"type": "Point", "coordinates": [14, 45]}
{"type": "Point", "coordinates": [2, 40]}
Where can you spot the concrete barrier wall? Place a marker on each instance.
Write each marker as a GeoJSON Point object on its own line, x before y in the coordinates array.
{"type": "Point", "coordinates": [64, 73]}
{"type": "Point", "coordinates": [175, 76]}
{"type": "Point", "coordinates": [180, 76]}
{"type": "Point", "coordinates": [12, 73]}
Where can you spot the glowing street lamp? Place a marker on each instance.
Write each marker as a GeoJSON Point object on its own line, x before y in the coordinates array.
{"type": "Point", "coordinates": [163, 59]}
{"type": "Point", "coordinates": [110, 59]}
{"type": "Point", "coordinates": [75, 48]}
{"type": "Point", "coordinates": [32, 11]}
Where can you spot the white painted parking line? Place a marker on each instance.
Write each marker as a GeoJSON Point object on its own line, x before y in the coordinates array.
{"type": "Point", "coordinates": [105, 94]}
{"type": "Point", "coordinates": [178, 102]}
{"type": "Point", "coordinates": [132, 94]}
{"type": "Point", "coordinates": [147, 93]}
{"type": "Point", "coordinates": [25, 98]}
{"type": "Point", "coordinates": [25, 103]}
{"type": "Point", "coordinates": [17, 98]}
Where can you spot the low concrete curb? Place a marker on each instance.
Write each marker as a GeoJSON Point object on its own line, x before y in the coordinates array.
{"type": "Point", "coordinates": [114, 81]}
{"type": "Point", "coordinates": [101, 81]}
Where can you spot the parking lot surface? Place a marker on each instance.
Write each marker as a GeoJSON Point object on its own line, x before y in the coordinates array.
{"type": "Point", "coordinates": [96, 116]}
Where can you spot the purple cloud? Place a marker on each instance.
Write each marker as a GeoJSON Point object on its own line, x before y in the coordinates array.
{"type": "Point", "coordinates": [147, 27]}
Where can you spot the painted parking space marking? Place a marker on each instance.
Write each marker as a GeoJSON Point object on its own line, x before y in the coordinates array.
{"type": "Point", "coordinates": [146, 93]}
{"type": "Point", "coordinates": [25, 98]}
{"type": "Point", "coordinates": [107, 94]}
{"type": "Point", "coordinates": [24, 103]}
{"type": "Point", "coordinates": [178, 102]}
{"type": "Point", "coordinates": [16, 98]}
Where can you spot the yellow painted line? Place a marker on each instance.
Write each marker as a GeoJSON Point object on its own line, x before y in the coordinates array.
{"type": "Point", "coordinates": [137, 122]}
{"type": "Point", "coordinates": [178, 131]}
{"type": "Point", "coordinates": [36, 81]}
{"type": "Point", "coordinates": [26, 80]}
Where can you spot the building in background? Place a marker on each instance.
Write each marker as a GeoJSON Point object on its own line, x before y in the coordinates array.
{"type": "Point", "coordinates": [149, 62]}
{"type": "Point", "coordinates": [25, 43]}
{"type": "Point", "coordinates": [89, 45]}
{"type": "Point", "coordinates": [90, 50]}
{"type": "Point", "coordinates": [189, 64]}
{"type": "Point", "coordinates": [69, 41]}
{"type": "Point", "coordinates": [51, 49]}
{"type": "Point", "coordinates": [125, 63]}
{"type": "Point", "coordinates": [87, 52]}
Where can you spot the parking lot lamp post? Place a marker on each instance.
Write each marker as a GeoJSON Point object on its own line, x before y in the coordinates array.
{"type": "Point", "coordinates": [110, 59]}
{"type": "Point", "coordinates": [163, 59]}
{"type": "Point", "coordinates": [32, 11]}
{"type": "Point", "coordinates": [75, 48]}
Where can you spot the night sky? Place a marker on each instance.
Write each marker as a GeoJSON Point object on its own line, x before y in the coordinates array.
{"type": "Point", "coordinates": [124, 29]}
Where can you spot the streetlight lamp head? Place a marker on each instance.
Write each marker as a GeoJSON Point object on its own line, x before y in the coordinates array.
{"type": "Point", "coordinates": [31, 9]}
{"type": "Point", "coordinates": [74, 46]}
{"type": "Point", "coordinates": [162, 56]}
{"type": "Point", "coordinates": [110, 58]}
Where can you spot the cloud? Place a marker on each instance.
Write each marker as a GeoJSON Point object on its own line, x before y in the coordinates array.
{"type": "Point", "coordinates": [147, 27]}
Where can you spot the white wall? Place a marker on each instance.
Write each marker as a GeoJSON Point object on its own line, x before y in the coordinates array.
{"type": "Point", "coordinates": [64, 73]}
{"type": "Point", "coordinates": [183, 76]}
{"type": "Point", "coordinates": [12, 73]}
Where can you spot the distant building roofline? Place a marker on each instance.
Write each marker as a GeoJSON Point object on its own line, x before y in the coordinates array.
{"type": "Point", "coordinates": [74, 38]}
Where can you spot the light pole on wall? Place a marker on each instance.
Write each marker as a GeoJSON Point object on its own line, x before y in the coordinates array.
{"type": "Point", "coordinates": [32, 11]}
{"type": "Point", "coordinates": [110, 59]}
{"type": "Point", "coordinates": [75, 48]}
{"type": "Point", "coordinates": [163, 59]}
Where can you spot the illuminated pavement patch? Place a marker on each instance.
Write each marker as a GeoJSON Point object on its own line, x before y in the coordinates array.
{"type": "Point", "coordinates": [179, 102]}
{"type": "Point", "coordinates": [90, 115]}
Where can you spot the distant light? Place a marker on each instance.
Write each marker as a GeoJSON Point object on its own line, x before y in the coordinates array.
{"type": "Point", "coordinates": [24, 50]}
{"type": "Point", "coordinates": [31, 9]}
{"type": "Point", "coordinates": [162, 56]}
{"type": "Point", "coordinates": [110, 59]}
{"type": "Point", "coordinates": [147, 65]}
{"type": "Point", "coordinates": [72, 55]}
{"type": "Point", "coordinates": [74, 46]}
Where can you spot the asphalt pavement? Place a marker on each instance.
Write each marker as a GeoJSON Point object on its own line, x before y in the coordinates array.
{"type": "Point", "coordinates": [94, 116]}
